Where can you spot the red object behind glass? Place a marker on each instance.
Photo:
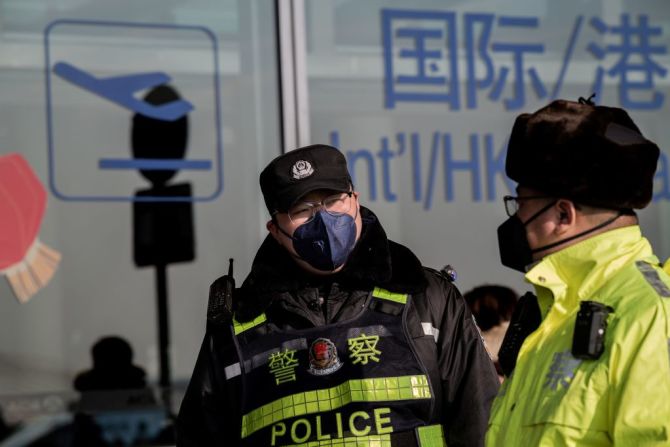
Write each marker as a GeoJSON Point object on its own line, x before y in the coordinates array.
{"type": "Point", "coordinates": [27, 263]}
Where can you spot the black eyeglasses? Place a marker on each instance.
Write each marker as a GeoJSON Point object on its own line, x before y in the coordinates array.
{"type": "Point", "coordinates": [512, 203]}
{"type": "Point", "coordinates": [335, 205]}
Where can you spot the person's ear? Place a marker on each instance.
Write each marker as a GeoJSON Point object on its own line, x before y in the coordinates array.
{"type": "Point", "coordinates": [566, 215]}
{"type": "Point", "coordinates": [272, 229]}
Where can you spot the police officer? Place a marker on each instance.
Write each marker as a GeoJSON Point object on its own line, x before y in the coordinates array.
{"type": "Point", "coordinates": [596, 371]}
{"type": "Point", "coordinates": [339, 335]}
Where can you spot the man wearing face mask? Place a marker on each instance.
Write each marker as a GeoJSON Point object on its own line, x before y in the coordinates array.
{"type": "Point", "coordinates": [587, 358]}
{"type": "Point", "coordinates": [339, 336]}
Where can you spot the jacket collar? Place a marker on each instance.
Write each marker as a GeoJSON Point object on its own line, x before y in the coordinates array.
{"type": "Point", "coordinates": [576, 272]}
{"type": "Point", "coordinates": [375, 262]}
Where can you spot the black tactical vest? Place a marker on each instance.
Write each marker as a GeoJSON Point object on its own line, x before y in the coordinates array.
{"type": "Point", "coordinates": [357, 382]}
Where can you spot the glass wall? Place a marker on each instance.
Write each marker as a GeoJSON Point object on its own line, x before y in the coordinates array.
{"type": "Point", "coordinates": [80, 102]}
{"type": "Point", "coordinates": [422, 98]}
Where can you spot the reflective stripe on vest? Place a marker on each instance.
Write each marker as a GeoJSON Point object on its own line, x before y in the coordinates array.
{"type": "Point", "coordinates": [431, 436]}
{"type": "Point", "coordinates": [378, 292]}
{"type": "Point", "coordinates": [381, 389]}
{"type": "Point", "coordinates": [241, 327]}
{"type": "Point", "coordinates": [652, 277]}
{"type": "Point", "coordinates": [354, 441]}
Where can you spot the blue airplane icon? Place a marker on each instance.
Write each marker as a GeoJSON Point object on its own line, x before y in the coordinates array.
{"type": "Point", "coordinates": [120, 89]}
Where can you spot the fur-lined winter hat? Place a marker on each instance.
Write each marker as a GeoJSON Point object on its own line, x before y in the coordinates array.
{"type": "Point", "coordinates": [594, 155]}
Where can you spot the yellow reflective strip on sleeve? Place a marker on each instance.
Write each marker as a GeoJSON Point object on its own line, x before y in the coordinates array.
{"type": "Point", "coordinates": [241, 327]}
{"type": "Point", "coordinates": [354, 441]}
{"type": "Point", "coordinates": [381, 389]}
{"type": "Point", "coordinates": [431, 436]}
{"type": "Point", "coordinates": [391, 296]}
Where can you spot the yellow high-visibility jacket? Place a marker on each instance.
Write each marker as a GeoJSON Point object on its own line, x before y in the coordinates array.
{"type": "Point", "coordinates": [623, 397]}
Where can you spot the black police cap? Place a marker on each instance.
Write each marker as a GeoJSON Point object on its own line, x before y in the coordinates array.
{"type": "Point", "coordinates": [594, 155]}
{"type": "Point", "coordinates": [301, 171]}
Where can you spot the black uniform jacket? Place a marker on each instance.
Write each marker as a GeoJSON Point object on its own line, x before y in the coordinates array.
{"type": "Point", "coordinates": [292, 299]}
